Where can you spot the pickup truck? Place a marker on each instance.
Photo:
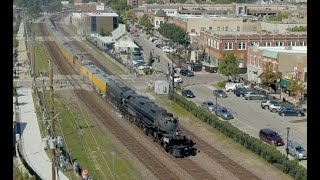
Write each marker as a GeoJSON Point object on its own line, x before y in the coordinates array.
{"type": "Point", "coordinates": [177, 78]}
{"type": "Point", "coordinates": [265, 104]}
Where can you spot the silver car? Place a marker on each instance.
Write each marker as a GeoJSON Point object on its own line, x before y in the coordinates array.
{"type": "Point", "coordinates": [296, 150]}
{"type": "Point", "coordinates": [224, 113]}
{"type": "Point", "coordinates": [209, 105]}
{"type": "Point", "coordinates": [219, 93]}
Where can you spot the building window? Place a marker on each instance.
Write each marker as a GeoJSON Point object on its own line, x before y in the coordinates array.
{"type": "Point", "coordinates": [193, 30]}
{"type": "Point", "coordinates": [303, 43]}
{"type": "Point", "coordinates": [254, 28]}
{"type": "Point", "coordinates": [251, 60]}
{"type": "Point", "coordinates": [218, 28]}
{"type": "Point", "coordinates": [227, 28]}
{"type": "Point", "coordinates": [203, 28]}
{"type": "Point", "coordinates": [161, 22]}
{"type": "Point", "coordinates": [253, 43]}
{"type": "Point", "coordinates": [255, 61]}
{"type": "Point", "coordinates": [210, 28]}
{"type": "Point", "coordinates": [290, 43]}
{"type": "Point", "coordinates": [267, 43]}
{"type": "Point", "coordinates": [228, 46]}
{"type": "Point", "coordinates": [242, 45]}
{"type": "Point", "coordinates": [279, 43]}
{"type": "Point", "coordinates": [238, 28]}
{"type": "Point", "coordinates": [157, 22]}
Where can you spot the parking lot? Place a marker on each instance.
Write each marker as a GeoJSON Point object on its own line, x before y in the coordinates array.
{"type": "Point", "coordinates": [250, 117]}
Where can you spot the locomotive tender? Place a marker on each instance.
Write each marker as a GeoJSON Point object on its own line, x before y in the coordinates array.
{"type": "Point", "coordinates": [155, 121]}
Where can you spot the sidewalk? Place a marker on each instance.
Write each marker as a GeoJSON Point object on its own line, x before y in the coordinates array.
{"type": "Point", "coordinates": [32, 150]}
{"type": "Point", "coordinates": [30, 139]}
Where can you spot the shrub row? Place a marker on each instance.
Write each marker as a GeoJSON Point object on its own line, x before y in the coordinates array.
{"type": "Point", "coordinates": [269, 153]}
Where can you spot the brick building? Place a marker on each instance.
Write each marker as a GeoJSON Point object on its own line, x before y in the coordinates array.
{"type": "Point", "coordinates": [98, 22]}
{"type": "Point", "coordinates": [217, 44]}
{"type": "Point", "coordinates": [289, 61]}
{"type": "Point", "coordinates": [91, 7]}
{"type": "Point", "coordinates": [135, 3]}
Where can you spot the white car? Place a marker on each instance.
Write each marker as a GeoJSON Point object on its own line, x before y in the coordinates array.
{"type": "Point", "coordinates": [168, 49]}
{"type": "Point", "coordinates": [142, 67]}
{"type": "Point", "coordinates": [177, 78]}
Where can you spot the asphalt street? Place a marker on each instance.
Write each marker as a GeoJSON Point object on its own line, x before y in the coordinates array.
{"type": "Point", "coordinates": [250, 117]}
{"type": "Point", "coordinates": [199, 78]}
{"type": "Point", "coordinates": [147, 47]}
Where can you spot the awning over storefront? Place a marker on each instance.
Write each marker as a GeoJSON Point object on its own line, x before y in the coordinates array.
{"type": "Point", "coordinates": [285, 82]}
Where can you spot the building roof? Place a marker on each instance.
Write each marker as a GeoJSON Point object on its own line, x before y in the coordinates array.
{"type": "Point", "coordinates": [282, 49]}
{"type": "Point", "coordinates": [106, 39]}
{"type": "Point", "coordinates": [237, 33]}
{"type": "Point", "coordinates": [125, 44]}
{"type": "Point", "coordinates": [216, 17]}
{"type": "Point", "coordinates": [160, 13]}
{"type": "Point", "coordinates": [76, 15]}
{"type": "Point", "coordinates": [270, 54]}
{"type": "Point", "coordinates": [103, 14]}
{"type": "Point", "coordinates": [140, 8]}
{"type": "Point", "coordinates": [119, 32]}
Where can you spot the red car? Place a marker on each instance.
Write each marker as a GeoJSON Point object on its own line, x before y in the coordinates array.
{"type": "Point", "coordinates": [271, 137]}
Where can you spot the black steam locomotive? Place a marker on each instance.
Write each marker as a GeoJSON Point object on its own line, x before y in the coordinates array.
{"type": "Point", "coordinates": [154, 120]}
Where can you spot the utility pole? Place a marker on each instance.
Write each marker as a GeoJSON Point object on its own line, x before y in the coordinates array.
{"type": "Point", "coordinates": [52, 122]}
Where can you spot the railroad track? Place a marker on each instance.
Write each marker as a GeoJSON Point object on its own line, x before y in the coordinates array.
{"type": "Point", "coordinates": [57, 57]}
{"type": "Point", "coordinates": [187, 165]}
{"type": "Point", "coordinates": [226, 162]}
{"type": "Point", "coordinates": [156, 167]}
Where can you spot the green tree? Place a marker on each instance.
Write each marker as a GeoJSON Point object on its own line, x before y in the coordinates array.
{"type": "Point", "coordinates": [174, 33]}
{"type": "Point", "coordinates": [129, 15]}
{"type": "Point", "coordinates": [298, 29]}
{"type": "Point", "coordinates": [296, 87]}
{"type": "Point", "coordinates": [229, 65]}
{"type": "Point", "coordinates": [268, 76]}
{"type": "Point", "coordinates": [145, 22]}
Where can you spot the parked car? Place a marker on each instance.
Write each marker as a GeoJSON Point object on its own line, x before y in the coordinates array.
{"type": "Point", "coordinates": [254, 96]}
{"type": "Point", "coordinates": [265, 104]}
{"type": "Point", "coordinates": [159, 46]}
{"type": "Point", "coordinates": [224, 113]}
{"type": "Point", "coordinates": [219, 93]}
{"type": "Point", "coordinates": [271, 137]}
{"type": "Point", "coordinates": [275, 107]}
{"type": "Point", "coordinates": [240, 91]}
{"type": "Point", "coordinates": [188, 93]}
{"type": "Point", "coordinates": [136, 53]}
{"type": "Point", "coordinates": [168, 49]}
{"type": "Point", "coordinates": [186, 72]}
{"type": "Point", "coordinates": [143, 66]}
{"type": "Point", "coordinates": [177, 78]}
{"type": "Point", "coordinates": [209, 105]}
{"type": "Point", "coordinates": [232, 86]}
{"type": "Point", "coordinates": [296, 150]}
{"type": "Point", "coordinates": [289, 111]}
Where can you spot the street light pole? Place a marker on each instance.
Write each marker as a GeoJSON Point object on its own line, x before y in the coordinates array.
{"type": "Point", "coordinates": [216, 104]}
{"type": "Point", "coordinates": [287, 149]}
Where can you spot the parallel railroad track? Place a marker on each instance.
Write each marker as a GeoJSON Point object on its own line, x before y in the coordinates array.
{"type": "Point", "coordinates": [186, 164]}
